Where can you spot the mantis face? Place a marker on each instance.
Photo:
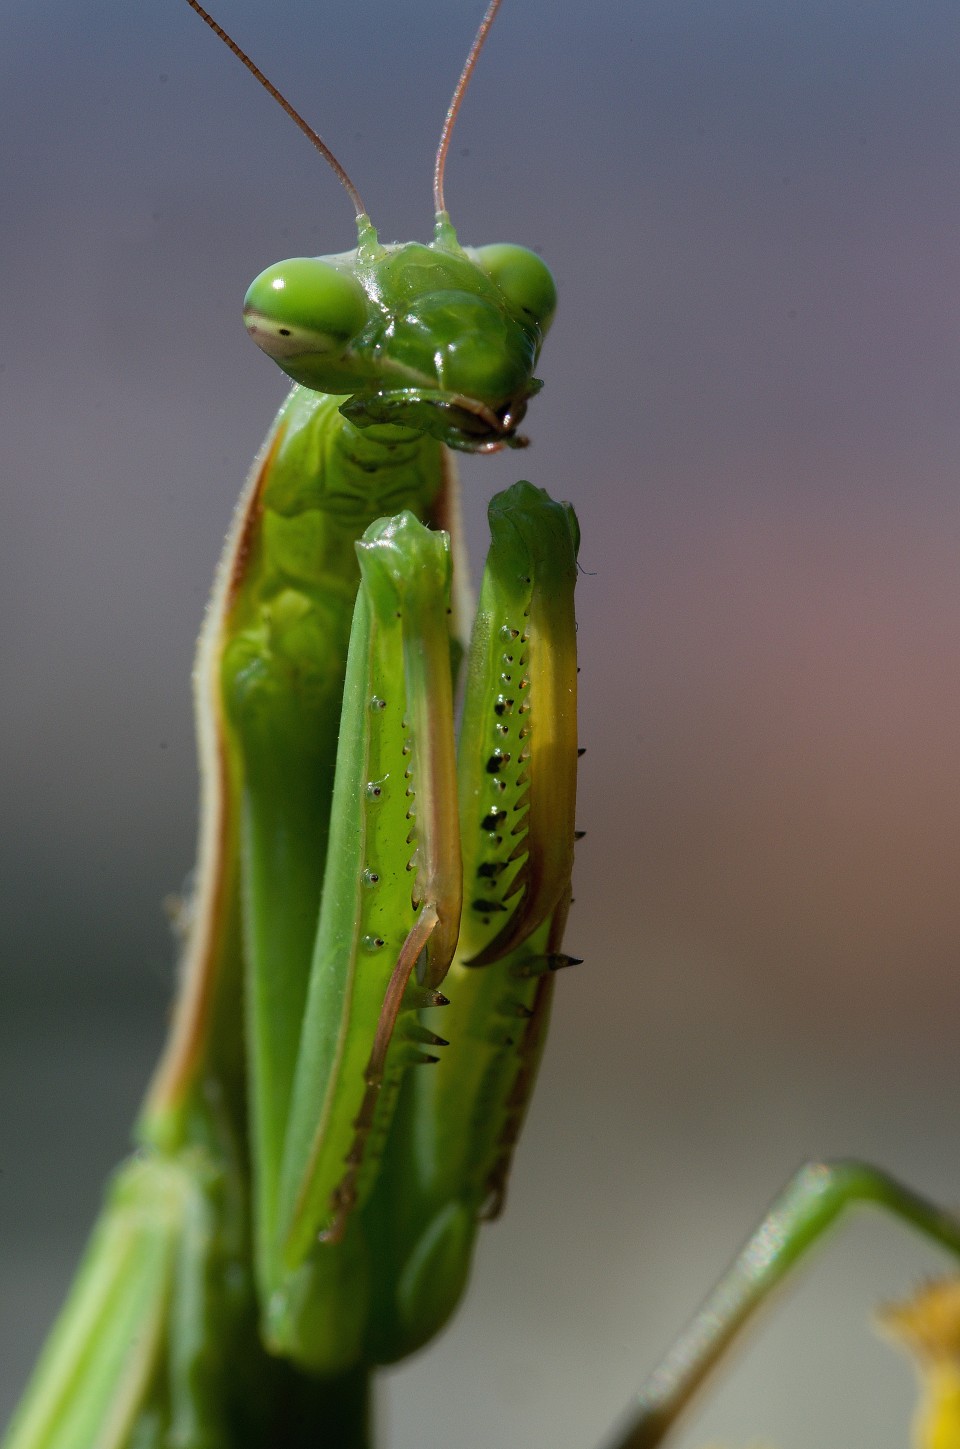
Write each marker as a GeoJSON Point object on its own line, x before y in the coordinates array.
{"type": "Point", "coordinates": [433, 338]}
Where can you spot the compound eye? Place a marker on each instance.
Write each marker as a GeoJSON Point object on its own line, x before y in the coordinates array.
{"type": "Point", "coordinates": [304, 305]}
{"type": "Point", "coordinates": [523, 278]}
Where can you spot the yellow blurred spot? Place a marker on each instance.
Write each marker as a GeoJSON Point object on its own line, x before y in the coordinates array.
{"type": "Point", "coordinates": [928, 1327]}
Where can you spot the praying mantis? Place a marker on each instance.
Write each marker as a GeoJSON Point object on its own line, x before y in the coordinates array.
{"type": "Point", "coordinates": [300, 1207]}
{"type": "Point", "coordinates": [813, 1139]}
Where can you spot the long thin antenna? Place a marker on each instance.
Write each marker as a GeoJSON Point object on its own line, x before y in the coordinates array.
{"type": "Point", "coordinates": [285, 105]}
{"type": "Point", "coordinates": [441, 162]}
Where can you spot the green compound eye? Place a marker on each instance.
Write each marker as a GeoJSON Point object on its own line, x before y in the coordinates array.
{"type": "Point", "coordinates": [524, 279]}
{"type": "Point", "coordinates": [304, 305]}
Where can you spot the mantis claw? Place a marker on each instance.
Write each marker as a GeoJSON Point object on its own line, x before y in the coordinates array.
{"type": "Point", "coordinates": [526, 624]}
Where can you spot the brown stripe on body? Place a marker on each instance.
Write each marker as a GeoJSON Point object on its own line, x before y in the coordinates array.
{"type": "Point", "coordinates": [216, 885]}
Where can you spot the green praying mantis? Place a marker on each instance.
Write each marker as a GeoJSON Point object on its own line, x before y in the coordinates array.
{"type": "Point", "coordinates": [303, 1203]}
{"type": "Point", "coordinates": [191, 1298]}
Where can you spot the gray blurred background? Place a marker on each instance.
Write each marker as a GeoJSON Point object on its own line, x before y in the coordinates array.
{"type": "Point", "coordinates": [752, 397]}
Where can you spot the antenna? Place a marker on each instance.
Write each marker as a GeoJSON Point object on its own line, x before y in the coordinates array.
{"type": "Point", "coordinates": [284, 104]}
{"type": "Point", "coordinates": [454, 106]}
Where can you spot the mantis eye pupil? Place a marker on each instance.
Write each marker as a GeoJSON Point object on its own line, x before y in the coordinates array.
{"type": "Point", "coordinates": [309, 297]}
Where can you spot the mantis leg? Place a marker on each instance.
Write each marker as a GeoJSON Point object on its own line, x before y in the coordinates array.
{"type": "Point", "coordinates": [450, 1148]}
{"type": "Point", "coordinates": [390, 906]}
{"type": "Point", "coordinates": [811, 1203]}
{"type": "Point", "coordinates": [102, 1359]}
{"type": "Point", "coordinates": [147, 1348]}
{"type": "Point", "coordinates": [378, 1204]}
{"type": "Point", "coordinates": [391, 895]}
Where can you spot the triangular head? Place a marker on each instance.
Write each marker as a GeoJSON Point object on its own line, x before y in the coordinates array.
{"type": "Point", "coordinates": [441, 339]}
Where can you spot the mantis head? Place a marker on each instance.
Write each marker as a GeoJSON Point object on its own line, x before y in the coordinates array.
{"type": "Point", "coordinates": [439, 339]}
{"type": "Point", "coordinates": [435, 339]}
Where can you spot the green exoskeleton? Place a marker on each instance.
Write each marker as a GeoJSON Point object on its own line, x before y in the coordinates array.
{"type": "Point", "coordinates": [304, 1198]}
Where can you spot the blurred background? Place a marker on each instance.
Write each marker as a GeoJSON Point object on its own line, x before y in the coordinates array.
{"type": "Point", "coordinates": [751, 396]}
